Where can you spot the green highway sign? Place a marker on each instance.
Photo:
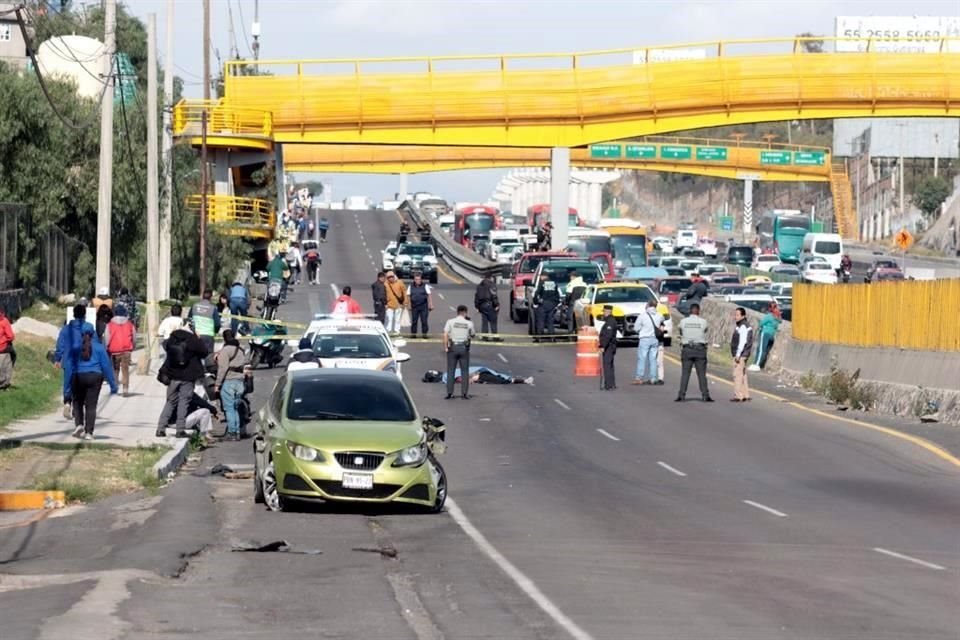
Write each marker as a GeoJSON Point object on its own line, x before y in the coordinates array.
{"type": "Point", "coordinates": [675, 152]}
{"type": "Point", "coordinates": [815, 158]}
{"type": "Point", "coordinates": [712, 153]}
{"type": "Point", "coordinates": [605, 151]}
{"type": "Point", "coordinates": [775, 157]}
{"type": "Point", "coordinates": [641, 151]}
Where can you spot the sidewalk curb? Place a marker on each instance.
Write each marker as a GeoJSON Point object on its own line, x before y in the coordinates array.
{"type": "Point", "coordinates": [172, 459]}
{"type": "Point", "coordinates": [20, 500]}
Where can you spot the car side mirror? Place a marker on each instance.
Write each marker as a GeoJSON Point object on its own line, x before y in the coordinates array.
{"type": "Point", "coordinates": [403, 357]}
{"type": "Point", "coordinates": [399, 343]}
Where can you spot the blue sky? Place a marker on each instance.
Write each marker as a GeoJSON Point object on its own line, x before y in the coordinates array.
{"type": "Point", "coordinates": [372, 28]}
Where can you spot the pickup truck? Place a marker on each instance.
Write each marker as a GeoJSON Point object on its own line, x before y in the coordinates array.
{"type": "Point", "coordinates": [522, 280]}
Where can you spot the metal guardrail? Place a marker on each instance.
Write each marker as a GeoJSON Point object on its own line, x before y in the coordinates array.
{"type": "Point", "coordinates": [463, 261]}
{"type": "Point", "coordinates": [234, 215]}
{"type": "Point", "coordinates": [221, 119]}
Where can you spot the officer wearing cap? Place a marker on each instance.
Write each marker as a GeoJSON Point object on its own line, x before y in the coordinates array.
{"type": "Point", "coordinates": [608, 345]}
{"type": "Point", "coordinates": [693, 338]}
{"type": "Point", "coordinates": [457, 334]}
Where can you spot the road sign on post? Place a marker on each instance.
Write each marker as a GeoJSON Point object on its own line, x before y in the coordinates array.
{"type": "Point", "coordinates": [774, 157]}
{"type": "Point", "coordinates": [904, 239]}
{"type": "Point", "coordinates": [726, 223]}
{"type": "Point", "coordinates": [605, 151]}
{"type": "Point", "coordinates": [809, 158]}
{"type": "Point", "coordinates": [675, 152]}
{"type": "Point", "coordinates": [641, 151]}
{"type": "Point", "coordinates": [712, 153]}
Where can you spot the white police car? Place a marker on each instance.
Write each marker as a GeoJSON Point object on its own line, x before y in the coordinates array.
{"type": "Point", "coordinates": [355, 342]}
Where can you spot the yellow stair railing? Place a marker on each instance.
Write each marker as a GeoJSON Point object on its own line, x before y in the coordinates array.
{"type": "Point", "coordinates": [222, 119]}
{"type": "Point", "coordinates": [842, 194]}
{"type": "Point", "coordinates": [238, 216]}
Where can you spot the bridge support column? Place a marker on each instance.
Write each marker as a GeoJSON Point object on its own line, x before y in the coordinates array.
{"type": "Point", "coordinates": [221, 173]}
{"type": "Point", "coordinates": [747, 208]}
{"type": "Point", "coordinates": [593, 210]}
{"type": "Point", "coordinates": [404, 190]}
{"type": "Point", "coordinates": [279, 173]}
{"type": "Point", "coordinates": [559, 195]}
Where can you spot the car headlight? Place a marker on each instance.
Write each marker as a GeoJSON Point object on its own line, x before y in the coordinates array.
{"type": "Point", "coordinates": [411, 456]}
{"type": "Point", "coordinates": [303, 452]}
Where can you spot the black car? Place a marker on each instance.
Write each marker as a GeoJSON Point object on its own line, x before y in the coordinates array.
{"type": "Point", "coordinates": [739, 254]}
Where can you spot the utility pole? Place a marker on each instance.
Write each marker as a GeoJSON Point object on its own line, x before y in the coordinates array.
{"type": "Point", "coordinates": [166, 219]}
{"type": "Point", "coordinates": [255, 29]}
{"type": "Point", "coordinates": [203, 147]}
{"type": "Point", "coordinates": [153, 194]}
{"type": "Point", "coordinates": [105, 187]}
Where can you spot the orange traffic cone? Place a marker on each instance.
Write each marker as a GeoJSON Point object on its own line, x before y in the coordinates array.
{"type": "Point", "coordinates": [588, 353]}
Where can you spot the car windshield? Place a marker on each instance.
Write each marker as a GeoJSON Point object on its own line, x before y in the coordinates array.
{"type": "Point", "coordinates": [740, 251]}
{"type": "Point", "coordinates": [674, 271]}
{"type": "Point", "coordinates": [416, 250]}
{"type": "Point", "coordinates": [828, 246]}
{"type": "Point", "coordinates": [588, 245]}
{"type": "Point", "coordinates": [346, 398]}
{"type": "Point", "coordinates": [785, 268]}
{"type": "Point", "coordinates": [689, 265]}
{"type": "Point", "coordinates": [350, 345]}
{"type": "Point", "coordinates": [669, 262]}
{"type": "Point", "coordinates": [818, 266]}
{"type": "Point", "coordinates": [675, 286]}
{"type": "Point", "coordinates": [707, 269]}
{"type": "Point", "coordinates": [728, 279]}
{"type": "Point", "coordinates": [623, 294]}
{"type": "Point", "coordinates": [560, 275]}
{"type": "Point", "coordinates": [885, 264]}
{"type": "Point", "coordinates": [530, 263]}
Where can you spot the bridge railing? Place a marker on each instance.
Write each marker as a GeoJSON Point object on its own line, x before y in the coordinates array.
{"type": "Point", "coordinates": [566, 88]}
{"type": "Point", "coordinates": [239, 216]}
{"type": "Point", "coordinates": [221, 119]}
{"type": "Point", "coordinates": [906, 314]}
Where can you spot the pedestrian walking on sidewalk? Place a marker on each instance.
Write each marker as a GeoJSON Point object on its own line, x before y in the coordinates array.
{"type": "Point", "coordinates": [182, 368]}
{"type": "Point", "coordinates": [120, 336]}
{"type": "Point", "coordinates": [693, 353]}
{"type": "Point", "coordinates": [457, 334]}
{"type": "Point", "coordinates": [92, 368]}
{"type": "Point", "coordinates": [67, 350]}
{"type": "Point", "coordinates": [231, 365]}
{"type": "Point", "coordinates": [608, 345]}
{"type": "Point", "coordinates": [649, 329]}
{"type": "Point", "coordinates": [7, 354]}
{"type": "Point", "coordinates": [420, 296]}
{"type": "Point", "coordinates": [487, 303]}
{"type": "Point", "coordinates": [741, 344]}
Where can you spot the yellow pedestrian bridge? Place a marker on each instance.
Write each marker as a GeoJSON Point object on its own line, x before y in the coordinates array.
{"type": "Point", "coordinates": [576, 99]}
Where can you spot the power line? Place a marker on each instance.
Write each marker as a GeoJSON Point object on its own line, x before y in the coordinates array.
{"type": "Point", "coordinates": [126, 129]}
{"type": "Point", "coordinates": [243, 27]}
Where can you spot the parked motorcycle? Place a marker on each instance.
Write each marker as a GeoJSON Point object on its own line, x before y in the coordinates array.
{"type": "Point", "coordinates": [271, 298]}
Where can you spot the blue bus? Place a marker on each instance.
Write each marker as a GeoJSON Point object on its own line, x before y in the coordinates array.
{"type": "Point", "coordinates": [782, 231]}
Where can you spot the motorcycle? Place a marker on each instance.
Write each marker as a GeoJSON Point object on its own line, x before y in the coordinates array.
{"type": "Point", "coordinates": [267, 343]}
{"type": "Point", "coordinates": [271, 298]}
{"type": "Point", "coordinates": [845, 275]}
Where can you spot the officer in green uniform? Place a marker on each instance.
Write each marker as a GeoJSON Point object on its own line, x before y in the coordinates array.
{"type": "Point", "coordinates": [693, 353]}
{"type": "Point", "coordinates": [206, 320]}
{"type": "Point", "coordinates": [457, 334]}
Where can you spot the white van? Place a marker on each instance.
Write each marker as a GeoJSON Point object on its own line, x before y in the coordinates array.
{"type": "Point", "coordinates": [685, 238]}
{"type": "Point", "coordinates": [828, 246]}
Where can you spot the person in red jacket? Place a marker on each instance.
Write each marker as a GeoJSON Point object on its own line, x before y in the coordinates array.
{"type": "Point", "coordinates": [120, 336]}
{"type": "Point", "coordinates": [7, 354]}
{"type": "Point", "coordinates": [345, 305]}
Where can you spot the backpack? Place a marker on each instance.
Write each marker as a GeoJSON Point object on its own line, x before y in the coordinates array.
{"type": "Point", "coordinates": [177, 353]}
{"type": "Point", "coordinates": [342, 307]}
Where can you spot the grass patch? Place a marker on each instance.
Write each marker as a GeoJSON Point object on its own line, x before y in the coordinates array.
{"type": "Point", "coordinates": [83, 472]}
{"type": "Point", "coordinates": [37, 385]}
{"type": "Point", "coordinates": [841, 387]}
{"type": "Point", "coordinates": [47, 311]}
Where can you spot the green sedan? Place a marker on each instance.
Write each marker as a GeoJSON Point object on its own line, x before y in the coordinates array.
{"type": "Point", "coordinates": [346, 435]}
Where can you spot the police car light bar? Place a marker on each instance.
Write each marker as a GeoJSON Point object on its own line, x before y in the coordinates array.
{"type": "Point", "coordinates": [345, 316]}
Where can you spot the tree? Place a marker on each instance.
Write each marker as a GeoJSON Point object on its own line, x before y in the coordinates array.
{"type": "Point", "coordinates": [930, 193]}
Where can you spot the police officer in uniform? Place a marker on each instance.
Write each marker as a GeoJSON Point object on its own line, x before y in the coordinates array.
{"type": "Point", "coordinates": [420, 295]}
{"type": "Point", "coordinates": [693, 337]}
{"type": "Point", "coordinates": [488, 304]}
{"type": "Point", "coordinates": [457, 334]}
{"type": "Point", "coordinates": [608, 344]}
{"type": "Point", "coordinates": [206, 320]}
{"type": "Point", "coordinates": [545, 301]}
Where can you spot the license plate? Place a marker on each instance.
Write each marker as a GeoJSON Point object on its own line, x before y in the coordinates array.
{"type": "Point", "coordinates": [358, 481]}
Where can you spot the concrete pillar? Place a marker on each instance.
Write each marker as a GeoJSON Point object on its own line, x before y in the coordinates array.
{"type": "Point", "coordinates": [221, 173]}
{"type": "Point", "coordinates": [280, 173]}
{"type": "Point", "coordinates": [559, 195]}
{"type": "Point", "coordinates": [594, 208]}
{"type": "Point", "coordinates": [886, 222]}
{"type": "Point", "coordinates": [404, 189]}
{"type": "Point", "coordinates": [748, 208]}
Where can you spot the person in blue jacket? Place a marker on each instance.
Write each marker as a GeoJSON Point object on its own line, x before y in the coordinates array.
{"type": "Point", "coordinates": [92, 367]}
{"type": "Point", "coordinates": [65, 354]}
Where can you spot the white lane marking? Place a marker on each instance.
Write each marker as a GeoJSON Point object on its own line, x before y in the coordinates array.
{"type": "Point", "coordinates": [526, 584]}
{"type": "Point", "coordinates": [441, 295]}
{"type": "Point", "coordinates": [502, 359]}
{"type": "Point", "coordinates": [336, 291]}
{"type": "Point", "coordinates": [922, 563]}
{"type": "Point", "coordinates": [676, 472]}
{"type": "Point", "coordinates": [605, 434]}
{"type": "Point", "coordinates": [485, 419]}
{"type": "Point", "coordinates": [763, 507]}
{"type": "Point", "coordinates": [562, 403]}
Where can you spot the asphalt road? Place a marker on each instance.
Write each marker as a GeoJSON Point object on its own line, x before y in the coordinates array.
{"type": "Point", "coordinates": [575, 513]}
